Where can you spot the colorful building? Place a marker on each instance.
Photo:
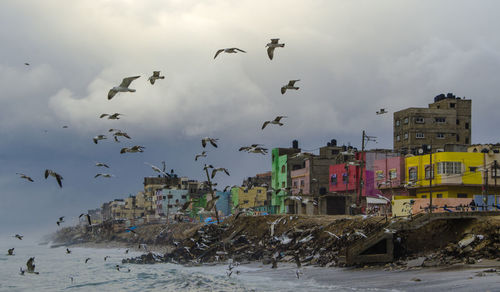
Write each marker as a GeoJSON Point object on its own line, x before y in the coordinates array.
{"type": "Point", "coordinates": [223, 203]}
{"type": "Point", "coordinates": [253, 198]}
{"type": "Point", "coordinates": [283, 162]}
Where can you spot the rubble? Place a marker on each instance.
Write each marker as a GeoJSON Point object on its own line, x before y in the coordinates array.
{"type": "Point", "coordinates": [310, 240]}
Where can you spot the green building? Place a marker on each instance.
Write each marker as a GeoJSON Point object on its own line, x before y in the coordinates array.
{"type": "Point", "coordinates": [283, 162]}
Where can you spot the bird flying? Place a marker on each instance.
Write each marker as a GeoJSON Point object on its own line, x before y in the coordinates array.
{"type": "Point", "coordinates": [57, 176]}
{"type": "Point", "coordinates": [123, 87]}
{"type": "Point", "coordinates": [290, 85]}
{"type": "Point", "coordinates": [271, 46]}
{"type": "Point", "coordinates": [107, 175]}
{"type": "Point", "coordinates": [101, 164]}
{"type": "Point", "coordinates": [98, 138]}
{"type": "Point", "coordinates": [60, 220]}
{"type": "Point", "coordinates": [20, 237]}
{"type": "Point", "coordinates": [10, 251]}
{"type": "Point", "coordinates": [215, 170]}
{"type": "Point", "coordinates": [276, 121]}
{"type": "Point", "coordinates": [133, 149]}
{"type": "Point", "coordinates": [157, 169]}
{"type": "Point", "coordinates": [88, 217]}
{"type": "Point", "coordinates": [22, 175]}
{"type": "Point", "coordinates": [68, 251]}
{"type": "Point", "coordinates": [381, 111]}
{"type": "Point", "coordinates": [202, 154]}
{"type": "Point", "coordinates": [228, 50]}
{"type": "Point", "coordinates": [115, 116]}
{"type": "Point", "coordinates": [155, 76]}
{"type": "Point", "coordinates": [212, 141]}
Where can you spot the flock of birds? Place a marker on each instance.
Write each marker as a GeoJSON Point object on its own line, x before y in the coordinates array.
{"type": "Point", "coordinates": [124, 87]}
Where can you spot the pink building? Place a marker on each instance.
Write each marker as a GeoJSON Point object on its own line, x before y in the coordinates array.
{"type": "Point", "coordinates": [389, 176]}
{"type": "Point", "coordinates": [301, 179]}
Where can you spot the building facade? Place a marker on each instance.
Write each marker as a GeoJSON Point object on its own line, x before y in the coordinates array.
{"type": "Point", "coordinates": [446, 121]}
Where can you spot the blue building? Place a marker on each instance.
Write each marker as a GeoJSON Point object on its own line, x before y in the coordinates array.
{"type": "Point", "coordinates": [170, 201]}
{"type": "Point", "coordinates": [224, 203]}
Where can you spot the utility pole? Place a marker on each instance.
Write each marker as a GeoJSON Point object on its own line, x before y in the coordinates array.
{"type": "Point", "coordinates": [431, 174]}
{"type": "Point", "coordinates": [494, 175]}
{"type": "Point", "coordinates": [362, 164]}
{"type": "Point", "coordinates": [485, 186]}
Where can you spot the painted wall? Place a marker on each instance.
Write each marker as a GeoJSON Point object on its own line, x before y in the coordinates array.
{"type": "Point", "coordinates": [223, 203]}
{"type": "Point", "coordinates": [467, 175]}
{"type": "Point", "coordinates": [301, 179]}
{"type": "Point", "coordinates": [405, 207]}
{"type": "Point", "coordinates": [254, 197]}
{"type": "Point", "coordinates": [339, 170]}
{"type": "Point", "coordinates": [383, 168]}
{"type": "Point", "coordinates": [179, 197]}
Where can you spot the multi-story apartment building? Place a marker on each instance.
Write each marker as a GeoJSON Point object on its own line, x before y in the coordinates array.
{"type": "Point", "coordinates": [284, 160]}
{"type": "Point", "coordinates": [311, 182]}
{"type": "Point", "coordinates": [446, 121]}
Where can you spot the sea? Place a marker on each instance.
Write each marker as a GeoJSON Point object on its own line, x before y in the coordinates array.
{"type": "Point", "coordinates": [60, 271]}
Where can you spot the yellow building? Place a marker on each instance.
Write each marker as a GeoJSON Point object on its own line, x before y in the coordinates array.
{"type": "Point", "coordinates": [250, 198]}
{"type": "Point", "coordinates": [454, 174]}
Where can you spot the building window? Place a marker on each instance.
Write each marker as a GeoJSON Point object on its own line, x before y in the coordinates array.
{"type": "Point", "coordinates": [419, 135]}
{"type": "Point", "coordinates": [333, 179]}
{"type": "Point", "coordinates": [424, 196]}
{"type": "Point", "coordinates": [494, 170]}
{"type": "Point", "coordinates": [419, 120]}
{"type": "Point", "coordinates": [406, 121]}
{"type": "Point", "coordinates": [406, 136]}
{"type": "Point", "coordinates": [282, 184]}
{"type": "Point", "coordinates": [398, 138]}
{"type": "Point", "coordinates": [440, 120]}
{"type": "Point", "coordinates": [458, 122]}
{"type": "Point", "coordinates": [449, 167]}
{"type": "Point", "coordinates": [413, 174]}
{"type": "Point", "coordinates": [439, 196]}
{"type": "Point", "coordinates": [440, 135]}
{"type": "Point", "coordinates": [429, 172]}
{"type": "Point", "coordinates": [458, 138]}
{"type": "Point", "coordinates": [259, 191]}
{"type": "Point", "coordinates": [397, 123]}
{"type": "Point", "coordinates": [466, 140]}
{"type": "Point", "coordinates": [393, 174]}
{"type": "Point", "coordinates": [295, 184]}
{"type": "Point", "coordinates": [302, 183]}
{"type": "Point", "coordinates": [452, 105]}
{"type": "Point", "coordinates": [379, 174]}
{"type": "Point", "coordinates": [466, 125]}
{"type": "Point", "coordinates": [462, 196]}
{"type": "Point", "coordinates": [283, 169]}
{"type": "Point", "coordinates": [345, 178]}
{"type": "Point", "coordinates": [472, 168]}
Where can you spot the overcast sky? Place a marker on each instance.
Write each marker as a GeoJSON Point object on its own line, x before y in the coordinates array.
{"type": "Point", "coordinates": [352, 58]}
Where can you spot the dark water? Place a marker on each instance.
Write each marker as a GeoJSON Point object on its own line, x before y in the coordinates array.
{"type": "Point", "coordinates": [56, 269]}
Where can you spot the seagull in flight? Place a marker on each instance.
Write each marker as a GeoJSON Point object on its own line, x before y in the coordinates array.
{"type": "Point", "coordinates": [98, 138]}
{"type": "Point", "coordinates": [155, 76]}
{"type": "Point", "coordinates": [58, 177]}
{"type": "Point", "coordinates": [212, 141]}
{"type": "Point", "coordinates": [271, 46]}
{"type": "Point", "coordinates": [88, 217]}
{"type": "Point", "coordinates": [381, 111]}
{"type": "Point", "coordinates": [101, 164]}
{"type": "Point", "coordinates": [220, 169]}
{"type": "Point", "coordinates": [20, 237]}
{"type": "Point", "coordinates": [107, 175]}
{"type": "Point", "coordinates": [202, 154]}
{"type": "Point", "coordinates": [87, 260]}
{"type": "Point", "coordinates": [61, 220]}
{"type": "Point", "coordinates": [68, 251]}
{"type": "Point", "coordinates": [254, 148]}
{"type": "Point", "coordinates": [10, 251]}
{"type": "Point", "coordinates": [115, 116]}
{"type": "Point", "coordinates": [123, 87]}
{"type": "Point", "coordinates": [228, 50]}
{"type": "Point", "coordinates": [276, 121]}
{"type": "Point", "coordinates": [290, 85]}
{"type": "Point", "coordinates": [157, 169]}
{"type": "Point", "coordinates": [133, 149]}
{"type": "Point", "coordinates": [22, 175]}
{"type": "Point", "coordinates": [105, 258]}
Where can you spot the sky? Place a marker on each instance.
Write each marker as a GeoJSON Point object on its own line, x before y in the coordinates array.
{"type": "Point", "coordinates": [352, 58]}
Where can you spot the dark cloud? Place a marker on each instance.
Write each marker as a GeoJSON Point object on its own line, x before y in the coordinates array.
{"type": "Point", "coordinates": [352, 58]}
